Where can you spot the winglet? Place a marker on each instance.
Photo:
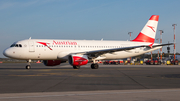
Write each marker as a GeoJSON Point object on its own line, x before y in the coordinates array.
{"type": "Point", "coordinates": [150, 45]}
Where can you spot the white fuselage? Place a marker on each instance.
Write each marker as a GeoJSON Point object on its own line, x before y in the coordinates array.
{"type": "Point", "coordinates": [45, 49]}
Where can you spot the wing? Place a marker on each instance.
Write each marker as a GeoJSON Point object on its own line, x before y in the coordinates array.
{"type": "Point", "coordinates": [163, 45]}
{"type": "Point", "coordinates": [97, 53]}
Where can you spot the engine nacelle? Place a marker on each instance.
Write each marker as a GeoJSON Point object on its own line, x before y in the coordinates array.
{"type": "Point", "coordinates": [78, 60]}
{"type": "Point", "coordinates": [51, 62]}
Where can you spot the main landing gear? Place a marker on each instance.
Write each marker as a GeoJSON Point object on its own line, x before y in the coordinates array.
{"type": "Point", "coordinates": [76, 67]}
{"type": "Point", "coordinates": [28, 66]}
{"type": "Point", "coordinates": [94, 66]}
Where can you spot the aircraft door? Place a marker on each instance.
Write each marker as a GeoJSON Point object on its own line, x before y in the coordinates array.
{"type": "Point", "coordinates": [31, 46]}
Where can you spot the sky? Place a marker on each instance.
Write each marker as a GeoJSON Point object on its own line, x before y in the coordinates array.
{"type": "Point", "coordinates": [85, 19]}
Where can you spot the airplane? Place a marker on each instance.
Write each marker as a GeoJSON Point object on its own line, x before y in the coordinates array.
{"type": "Point", "coordinates": [79, 52]}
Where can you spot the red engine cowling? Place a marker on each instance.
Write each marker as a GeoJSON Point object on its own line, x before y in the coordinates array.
{"type": "Point", "coordinates": [78, 60]}
{"type": "Point", "coordinates": [51, 62]}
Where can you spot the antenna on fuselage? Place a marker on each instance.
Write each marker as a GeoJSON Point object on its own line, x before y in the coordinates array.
{"type": "Point", "coordinates": [102, 39]}
{"type": "Point", "coordinates": [30, 38]}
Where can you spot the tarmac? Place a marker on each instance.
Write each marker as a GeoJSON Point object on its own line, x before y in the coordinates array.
{"type": "Point", "coordinates": [109, 82]}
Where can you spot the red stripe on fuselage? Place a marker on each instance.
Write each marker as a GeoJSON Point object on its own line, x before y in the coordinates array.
{"type": "Point", "coordinates": [45, 44]}
{"type": "Point", "coordinates": [143, 38]}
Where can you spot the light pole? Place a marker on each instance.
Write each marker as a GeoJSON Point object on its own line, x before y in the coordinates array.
{"type": "Point", "coordinates": [130, 35]}
{"type": "Point", "coordinates": [130, 40]}
{"type": "Point", "coordinates": [158, 49]}
{"type": "Point", "coordinates": [161, 31]}
{"type": "Point", "coordinates": [174, 41]}
{"type": "Point", "coordinates": [151, 55]}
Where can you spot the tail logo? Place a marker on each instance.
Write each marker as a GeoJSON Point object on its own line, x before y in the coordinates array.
{"type": "Point", "coordinates": [151, 28]}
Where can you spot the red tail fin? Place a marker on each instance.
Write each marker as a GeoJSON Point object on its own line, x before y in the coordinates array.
{"type": "Point", "coordinates": [148, 33]}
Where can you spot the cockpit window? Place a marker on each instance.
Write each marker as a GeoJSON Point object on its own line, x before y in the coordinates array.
{"type": "Point", "coordinates": [12, 45]}
{"type": "Point", "coordinates": [16, 45]}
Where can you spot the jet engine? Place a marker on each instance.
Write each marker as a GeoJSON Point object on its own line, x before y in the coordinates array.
{"type": "Point", "coordinates": [78, 60]}
{"type": "Point", "coordinates": [52, 62]}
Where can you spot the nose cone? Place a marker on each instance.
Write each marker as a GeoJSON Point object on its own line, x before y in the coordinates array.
{"type": "Point", "coordinates": [7, 52]}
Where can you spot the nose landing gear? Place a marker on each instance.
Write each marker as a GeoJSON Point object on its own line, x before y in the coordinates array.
{"type": "Point", "coordinates": [28, 66]}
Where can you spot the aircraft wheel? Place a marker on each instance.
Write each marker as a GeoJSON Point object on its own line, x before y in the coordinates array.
{"type": "Point", "coordinates": [76, 67]}
{"type": "Point", "coordinates": [28, 67]}
{"type": "Point", "coordinates": [94, 66]}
